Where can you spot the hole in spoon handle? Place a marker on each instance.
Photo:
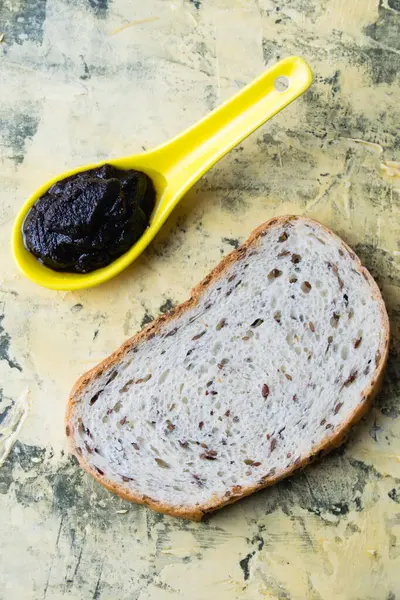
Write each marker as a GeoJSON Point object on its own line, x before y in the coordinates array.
{"type": "Point", "coordinates": [281, 83]}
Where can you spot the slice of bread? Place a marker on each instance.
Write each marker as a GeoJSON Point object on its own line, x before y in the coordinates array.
{"type": "Point", "coordinates": [275, 356]}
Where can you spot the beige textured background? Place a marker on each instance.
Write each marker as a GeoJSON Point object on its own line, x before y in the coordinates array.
{"type": "Point", "coordinates": [86, 79]}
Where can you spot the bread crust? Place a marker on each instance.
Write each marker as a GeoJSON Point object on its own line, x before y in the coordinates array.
{"type": "Point", "coordinates": [330, 442]}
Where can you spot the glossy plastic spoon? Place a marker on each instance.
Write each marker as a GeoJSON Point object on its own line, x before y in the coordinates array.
{"type": "Point", "coordinates": [175, 166]}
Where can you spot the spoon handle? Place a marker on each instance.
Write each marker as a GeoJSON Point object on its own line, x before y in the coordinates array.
{"type": "Point", "coordinates": [185, 158]}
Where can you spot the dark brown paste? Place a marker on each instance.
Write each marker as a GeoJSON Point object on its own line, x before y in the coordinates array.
{"type": "Point", "coordinates": [86, 221]}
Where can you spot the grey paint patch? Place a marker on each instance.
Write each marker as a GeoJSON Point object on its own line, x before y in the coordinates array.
{"type": "Point", "coordinates": [20, 458]}
{"type": "Point", "coordinates": [147, 318]}
{"type": "Point", "coordinates": [6, 478]}
{"type": "Point", "coordinates": [334, 117]}
{"type": "Point", "coordinates": [258, 542]}
{"type": "Point", "coordinates": [274, 587]}
{"type": "Point", "coordinates": [334, 82]}
{"type": "Point", "coordinates": [379, 262]}
{"type": "Point", "coordinates": [23, 21]}
{"type": "Point", "coordinates": [387, 401]}
{"type": "Point", "coordinates": [271, 50]}
{"type": "Point", "coordinates": [99, 7]}
{"type": "Point", "coordinates": [170, 239]}
{"type": "Point", "coordinates": [386, 29]}
{"type": "Point", "coordinates": [395, 4]}
{"type": "Point", "coordinates": [269, 140]}
{"type": "Point", "coordinates": [374, 431]}
{"type": "Point", "coordinates": [244, 565]}
{"type": "Point", "coordinates": [234, 242]}
{"type": "Point", "coordinates": [16, 128]}
{"type": "Point", "coordinates": [312, 489]}
{"type": "Point", "coordinates": [36, 477]}
{"type": "Point", "coordinates": [167, 306]}
{"type": "Point", "coordinates": [383, 65]}
{"type": "Point", "coordinates": [76, 307]}
{"type": "Point", "coordinates": [72, 491]}
{"type": "Point", "coordinates": [23, 455]}
{"type": "Point", "coordinates": [5, 347]}
{"type": "Point", "coordinates": [97, 590]}
{"type": "Point", "coordinates": [86, 71]}
{"type": "Point", "coordinates": [234, 192]}
{"type": "Point", "coordinates": [196, 3]}
{"type": "Point", "coordinates": [4, 413]}
{"type": "Point", "coordinates": [210, 97]}
{"type": "Point", "coordinates": [4, 410]}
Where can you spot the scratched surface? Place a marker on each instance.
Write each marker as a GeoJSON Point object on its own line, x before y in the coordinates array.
{"type": "Point", "coordinates": [85, 79]}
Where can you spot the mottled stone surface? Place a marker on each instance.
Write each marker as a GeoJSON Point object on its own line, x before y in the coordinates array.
{"type": "Point", "coordinates": [86, 79]}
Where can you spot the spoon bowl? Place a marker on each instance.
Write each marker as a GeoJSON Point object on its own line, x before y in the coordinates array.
{"type": "Point", "coordinates": [175, 166]}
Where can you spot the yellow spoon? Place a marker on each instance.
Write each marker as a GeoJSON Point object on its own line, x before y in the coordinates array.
{"type": "Point", "coordinates": [175, 166]}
